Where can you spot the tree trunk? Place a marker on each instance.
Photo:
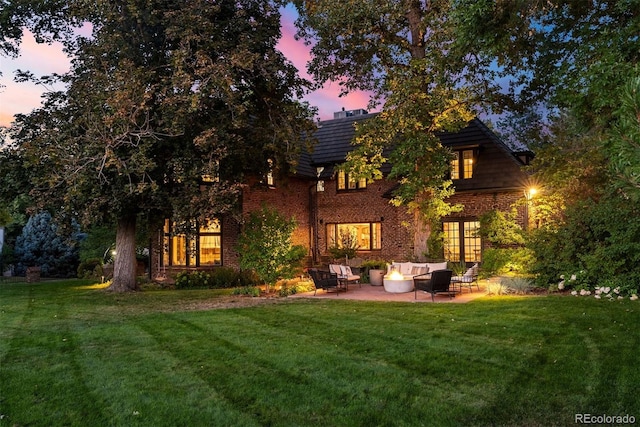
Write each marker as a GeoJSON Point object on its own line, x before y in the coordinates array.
{"type": "Point", "coordinates": [124, 268]}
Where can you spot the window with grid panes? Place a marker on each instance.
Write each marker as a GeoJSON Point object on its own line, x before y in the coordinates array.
{"type": "Point", "coordinates": [345, 182]}
{"type": "Point", "coordinates": [366, 235]}
{"type": "Point", "coordinates": [462, 164]}
{"type": "Point", "coordinates": [461, 239]}
{"type": "Point", "coordinates": [202, 249]}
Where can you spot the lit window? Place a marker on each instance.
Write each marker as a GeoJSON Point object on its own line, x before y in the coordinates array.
{"type": "Point", "coordinates": [204, 248]}
{"type": "Point", "coordinates": [467, 164]}
{"type": "Point", "coordinates": [210, 244]}
{"type": "Point", "coordinates": [462, 164]}
{"type": "Point", "coordinates": [455, 166]}
{"type": "Point", "coordinates": [461, 238]}
{"type": "Point", "coordinates": [451, 241]}
{"type": "Point", "coordinates": [364, 236]}
{"type": "Point", "coordinates": [346, 182]}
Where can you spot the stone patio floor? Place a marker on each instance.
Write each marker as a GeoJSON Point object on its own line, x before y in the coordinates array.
{"type": "Point", "coordinates": [367, 292]}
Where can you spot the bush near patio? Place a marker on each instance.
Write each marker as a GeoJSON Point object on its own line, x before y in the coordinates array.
{"type": "Point", "coordinates": [507, 261]}
{"type": "Point", "coordinates": [598, 242]}
{"type": "Point", "coordinates": [507, 254]}
{"type": "Point", "coordinates": [219, 278]}
{"type": "Point", "coordinates": [265, 246]}
{"type": "Point", "coordinates": [294, 286]}
{"type": "Point", "coordinates": [371, 264]}
{"type": "Point", "coordinates": [90, 268]}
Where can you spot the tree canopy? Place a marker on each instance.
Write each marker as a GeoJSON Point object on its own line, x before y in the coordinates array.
{"type": "Point", "coordinates": [168, 105]}
{"type": "Point", "coordinates": [404, 53]}
{"type": "Point", "coordinates": [580, 59]}
{"type": "Point", "coordinates": [436, 63]}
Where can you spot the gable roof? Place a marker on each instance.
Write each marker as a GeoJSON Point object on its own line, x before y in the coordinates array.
{"type": "Point", "coordinates": [334, 143]}
{"type": "Point", "coordinates": [334, 139]}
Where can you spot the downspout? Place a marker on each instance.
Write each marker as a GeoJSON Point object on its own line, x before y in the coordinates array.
{"type": "Point", "coordinates": [313, 215]}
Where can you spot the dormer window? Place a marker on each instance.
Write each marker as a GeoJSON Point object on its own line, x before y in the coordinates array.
{"type": "Point", "coordinates": [462, 164]}
{"type": "Point", "coordinates": [345, 182]}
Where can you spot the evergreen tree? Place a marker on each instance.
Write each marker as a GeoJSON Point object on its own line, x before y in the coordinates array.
{"type": "Point", "coordinates": [43, 245]}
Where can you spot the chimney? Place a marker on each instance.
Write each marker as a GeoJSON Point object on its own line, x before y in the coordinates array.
{"type": "Point", "coordinates": [349, 113]}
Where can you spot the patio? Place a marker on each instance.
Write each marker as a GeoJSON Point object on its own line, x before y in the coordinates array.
{"type": "Point", "coordinates": [367, 292]}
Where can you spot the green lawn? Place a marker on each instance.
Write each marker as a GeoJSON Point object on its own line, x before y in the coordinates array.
{"type": "Point", "coordinates": [74, 355]}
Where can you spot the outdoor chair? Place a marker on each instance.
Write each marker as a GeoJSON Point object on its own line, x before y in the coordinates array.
{"type": "Point", "coordinates": [438, 283]}
{"type": "Point", "coordinates": [325, 280]}
{"type": "Point", "coordinates": [469, 278]}
{"type": "Point", "coordinates": [344, 274]}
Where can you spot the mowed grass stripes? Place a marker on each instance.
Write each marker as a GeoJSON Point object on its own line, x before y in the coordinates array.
{"type": "Point", "coordinates": [71, 354]}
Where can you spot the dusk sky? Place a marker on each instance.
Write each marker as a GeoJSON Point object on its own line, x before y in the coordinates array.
{"type": "Point", "coordinates": [45, 59]}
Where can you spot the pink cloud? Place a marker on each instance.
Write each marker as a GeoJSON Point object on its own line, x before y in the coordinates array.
{"type": "Point", "coordinates": [40, 59]}
{"type": "Point", "coordinates": [46, 59]}
{"type": "Point", "coordinates": [327, 99]}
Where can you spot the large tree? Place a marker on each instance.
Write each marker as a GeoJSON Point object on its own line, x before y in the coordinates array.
{"type": "Point", "coordinates": [168, 104]}
{"type": "Point", "coordinates": [405, 54]}
{"type": "Point", "coordinates": [580, 59]}
{"type": "Point", "coordinates": [577, 57]}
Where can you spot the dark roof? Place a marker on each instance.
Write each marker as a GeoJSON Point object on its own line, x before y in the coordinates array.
{"type": "Point", "coordinates": [476, 133]}
{"type": "Point", "coordinates": [334, 142]}
{"type": "Point", "coordinates": [334, 139]}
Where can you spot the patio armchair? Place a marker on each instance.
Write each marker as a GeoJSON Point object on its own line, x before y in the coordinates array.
{"type": "Point", "coordinates": [438, 283]}
{"type": "Point", "coordinates": [469, 278]}
{"type": "Point", "coordinates": [326, 280]}
{"type": "Point", "coordinates": [344, 274]}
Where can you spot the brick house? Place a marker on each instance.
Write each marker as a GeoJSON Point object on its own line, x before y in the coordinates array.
{"type": "Point", "coordinates": [326, 204]}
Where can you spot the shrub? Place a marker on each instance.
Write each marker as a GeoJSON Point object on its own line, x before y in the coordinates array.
{"type": "Point", "coordinates": [510, 285]}
{"type": "Point", "coordinates": [295, 286]}
{"type": "Point", "coordinates": [500, 228]}
{"type": "Point", "coordinates": [494, 288]}
{"type": "Point", "coordinates": [252, 291]}
{"type": "Point", "coordinates": [601, 238]}
{"type": "Point", "coordinates": [372, 264]}
{"type": "Point", "coordinates": [220, 278]}
{"type": "Point", "coordinates": [265, 246]}
{"type": "Point", "coordinates": [90, 269]}
{"type": "Point", "coordinates": [458, 268]}
{"type": "Point", "coordinates": [516, 285]}
{"type": "Point", "coordinates": [497, 261]}
{"type": "Point", "coordinates": [615, 287]}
